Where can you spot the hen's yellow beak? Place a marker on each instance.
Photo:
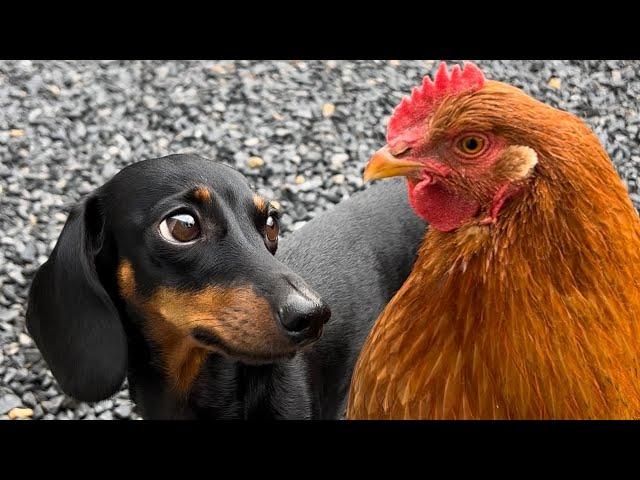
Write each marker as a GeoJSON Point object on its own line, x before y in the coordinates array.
{"type": "Point", "coordinates": [383, 164]}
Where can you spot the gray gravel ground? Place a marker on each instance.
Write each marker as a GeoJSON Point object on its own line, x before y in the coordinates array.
{"type": "Point", "coordinates": [300, 130]}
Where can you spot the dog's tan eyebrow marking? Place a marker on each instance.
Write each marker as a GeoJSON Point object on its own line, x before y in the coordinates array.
{"type": "Point", "coordinates": [260, 203]}
{"type": "Point", "coordinates": [126, 279]}
{"type": "Point", "coordinates": [202, 194]}
{"type": "Point", "coordinates": [275, 205]}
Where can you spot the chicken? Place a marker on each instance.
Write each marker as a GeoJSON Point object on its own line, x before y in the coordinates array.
{"type": "Point", "coordinates": [524, 302]}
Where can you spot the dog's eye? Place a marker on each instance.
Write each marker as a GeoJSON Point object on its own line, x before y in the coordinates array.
{"type": "Point", "coordinates": [180, 228]}
{"type": "Point", "coordinates": [271, 232]}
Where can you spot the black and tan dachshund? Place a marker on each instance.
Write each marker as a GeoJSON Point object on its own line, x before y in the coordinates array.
{"type": "Point", "coordinates": [166, 275]}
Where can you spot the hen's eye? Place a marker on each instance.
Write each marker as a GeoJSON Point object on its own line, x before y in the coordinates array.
{"type": "Point", "coordinates": [180, 228]}
{"type": "Point", "coordinates": [271, 232]}
{"type": "Point", "coordinates": [471, 145]}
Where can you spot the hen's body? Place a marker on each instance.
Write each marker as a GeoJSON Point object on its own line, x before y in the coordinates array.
{"type": "Point", "coordinates": [534, 316]}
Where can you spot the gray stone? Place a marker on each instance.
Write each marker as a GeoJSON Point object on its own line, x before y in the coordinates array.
{"type": "Point", "coordinates": [122, 411]}
{"type": "Point", "coordinates": [29, 399]}
{"type": "Point", "coordinates": [8, 401]}
{"type": "Point", "coordinates": [52, 405]}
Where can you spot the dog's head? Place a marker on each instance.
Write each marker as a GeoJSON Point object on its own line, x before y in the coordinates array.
{"type": "Point", "coordinates": [182, 249]}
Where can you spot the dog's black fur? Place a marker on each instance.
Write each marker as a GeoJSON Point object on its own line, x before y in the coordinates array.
{"type": "Point", "coordinates": [93, 334]}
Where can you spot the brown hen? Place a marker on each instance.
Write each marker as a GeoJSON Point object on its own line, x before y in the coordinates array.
{"type": "Point", "coordinates": [524, 302]}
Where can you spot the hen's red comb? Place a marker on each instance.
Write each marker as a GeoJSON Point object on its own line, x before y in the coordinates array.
{"type": "Point", "coordinates": [423, 99]}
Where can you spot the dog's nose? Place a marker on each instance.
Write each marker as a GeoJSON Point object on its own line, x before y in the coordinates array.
{"type": "Point", "coordinates": [303, 317]}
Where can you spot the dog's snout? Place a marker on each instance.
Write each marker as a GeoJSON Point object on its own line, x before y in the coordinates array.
{"type": "Point", "coordinates": [303, 316]}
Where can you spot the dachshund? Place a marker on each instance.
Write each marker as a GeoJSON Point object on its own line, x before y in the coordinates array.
{"type": "Point", "coordinates": [167, 275]}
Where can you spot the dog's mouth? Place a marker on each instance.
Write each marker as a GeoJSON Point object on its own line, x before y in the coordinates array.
{"type": "Point", "coordinates": [212, 342]}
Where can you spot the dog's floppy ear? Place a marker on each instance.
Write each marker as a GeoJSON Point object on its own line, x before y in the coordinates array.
{"type": "Point", "coordinates": [71, 316]}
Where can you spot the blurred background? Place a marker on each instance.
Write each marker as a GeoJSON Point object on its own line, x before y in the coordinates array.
{"type": "Point", "coordinates": [300, 130]}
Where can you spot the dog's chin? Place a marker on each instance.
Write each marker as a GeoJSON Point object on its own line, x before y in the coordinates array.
{"type": "Point", "coordinates": [257, 358]}
{"type": "Point", "coordinates": [214, 344]}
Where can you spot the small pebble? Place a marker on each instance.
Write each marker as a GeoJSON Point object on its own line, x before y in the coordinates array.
{"type": "Point", "coordinates": [217, 68]}
{"type": "Point", "coordinates": [20, 413]}
{"type": "Point", "coordinates": [338, 159]}
{"type": "Point", "coordinates": [255, 162]}
{"type": "Point", "coordinates": [338, 179]}
{"type": "Point", "coordinates": [555, 83]}
{"type": "Point", "coordinates": [149, 101]}
{"type": "Point", "coordinates": [16, 133]}
{"type": "Point", "coordinates": [328, 109]}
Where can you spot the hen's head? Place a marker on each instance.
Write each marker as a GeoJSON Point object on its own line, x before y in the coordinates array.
{"type": "Point", "coordinates": [465, 145]}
